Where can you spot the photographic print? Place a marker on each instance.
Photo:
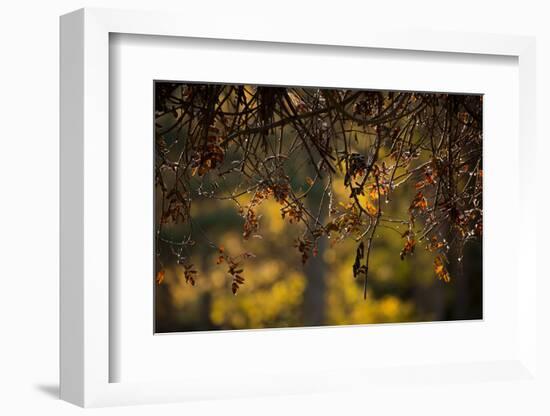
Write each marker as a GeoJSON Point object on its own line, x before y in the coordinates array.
{"type": "Point", "coordinates": [300, 206]}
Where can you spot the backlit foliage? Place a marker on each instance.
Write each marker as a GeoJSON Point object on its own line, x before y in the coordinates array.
{"type": "Point", "coordinates": [328, 163]}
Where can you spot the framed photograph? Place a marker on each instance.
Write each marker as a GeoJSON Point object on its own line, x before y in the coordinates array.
{"type": "Point", "coordinates": [286, 212]}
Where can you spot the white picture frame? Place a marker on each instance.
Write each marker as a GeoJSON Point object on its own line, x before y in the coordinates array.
{"type": "Point", "coordinates": [86, 356]}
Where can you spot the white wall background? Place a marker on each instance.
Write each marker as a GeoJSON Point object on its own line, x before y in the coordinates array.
{"type": "Point", "coordinates": [29, 171]}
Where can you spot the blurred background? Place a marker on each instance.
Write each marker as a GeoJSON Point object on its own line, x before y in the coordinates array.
{"type": "Point", "coordinates": [281, 292]}
{"type": "Point", "coordinates": [202, 222]}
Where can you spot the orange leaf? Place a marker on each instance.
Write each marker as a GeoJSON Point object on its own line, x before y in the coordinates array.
{"type": "Point", "coordinates": [419, 202]}
{"type": "Point", "coordinates": [371, 209]}
{"type": "Point", "coordinates": [434, 244]}
{"type": "Point", "coordinates": [440, 270]}
{"type": "Point", "coordinates": [376, 190]}
{"type": "Point", "coordinates": [160, 277]}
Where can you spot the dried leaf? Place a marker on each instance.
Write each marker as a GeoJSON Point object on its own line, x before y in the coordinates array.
{"type": "Point", "coordinates": [160, 277]}
{"type": "Point", "coordinates": [189, 273]}
{"type": "Point", "coordinates": [434, 244]}
{"type": "Point", "coordinates": [359, 255]}
{"type": "Point", "coordinates": [371, 209]}
{"type": "Point", "coordinates": [440, 270]}
{"type": "Point", "coordinates": [376, 190]}
{"type": "Point", "coordinates": [419, 202]}
{"type": "Point", "coordinates": [409, 246]}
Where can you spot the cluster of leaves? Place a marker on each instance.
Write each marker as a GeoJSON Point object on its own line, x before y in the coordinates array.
{"type": "Point", "coordinates": [229, 141]}
{"type": "Point", "coordinates": [234, 267]}
{"type": "Point", "coordinates": [305, 247]}
{"type": "Point", "coordinates": [210, 155]}
{"type": "Point", "coordinates": [189, 273]}
{"type": "Point", "coordinates": [279, 190]}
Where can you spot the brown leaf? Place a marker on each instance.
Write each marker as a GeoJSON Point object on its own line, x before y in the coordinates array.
{"type": "Point", "coordinates": [189, 273]}
{"type": "Point", "coordinates": [359, 255]}
{"type": "Point", "coordinates": [409, 247]}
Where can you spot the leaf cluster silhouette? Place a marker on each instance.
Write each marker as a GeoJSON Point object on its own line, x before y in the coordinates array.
{"type": "Point", "coordinates": [224, 142]}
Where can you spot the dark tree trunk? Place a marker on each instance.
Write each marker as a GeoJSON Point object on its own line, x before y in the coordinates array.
{"type": "Point", "coordinates": [314, 294]}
